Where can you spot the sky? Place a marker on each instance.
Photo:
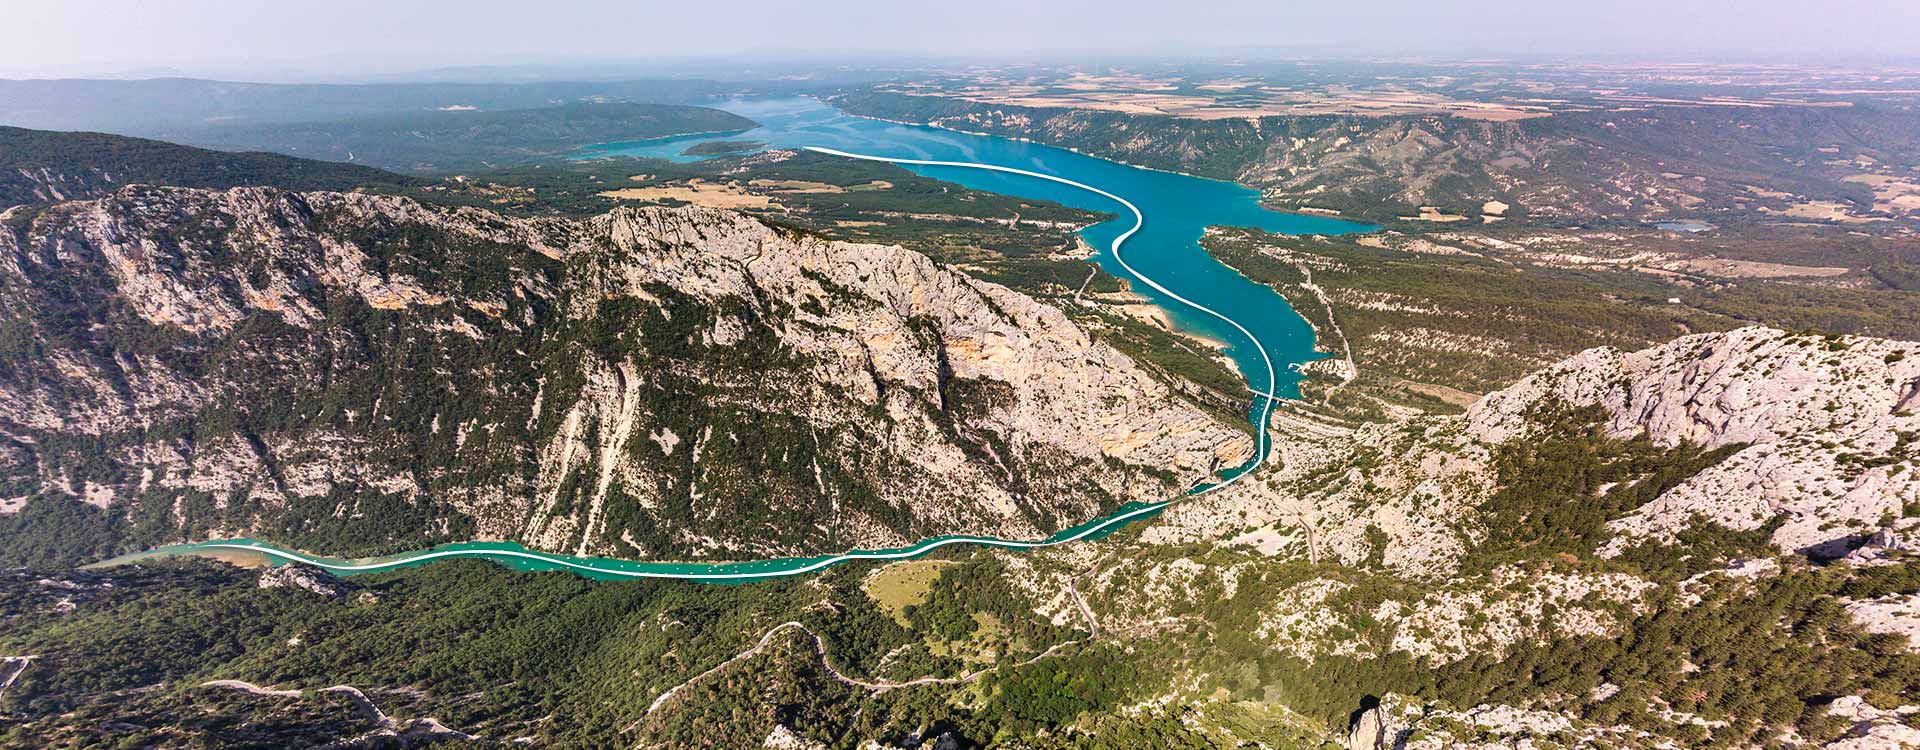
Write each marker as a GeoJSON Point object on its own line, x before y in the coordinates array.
{"type": "Point", "coordinates": [349, 39]}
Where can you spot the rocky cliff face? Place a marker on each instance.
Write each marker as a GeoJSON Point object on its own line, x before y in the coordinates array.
{"type": "Point", "coordinates": [1812, 441]}
{"type": "Point", "coordinates": [1829, 428]}
{"type": "Point", "coordinates": [351, 372]}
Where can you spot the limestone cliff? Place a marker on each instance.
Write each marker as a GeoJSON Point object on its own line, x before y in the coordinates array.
{"type": "Point", "coordinates": [355, 372]}
{"type": "Point", "coordinates": [1813, 440]}
{"type": "Point", "coordinates": [1829, 426]}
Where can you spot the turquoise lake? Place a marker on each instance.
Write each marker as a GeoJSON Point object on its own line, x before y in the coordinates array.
{"type": "Point", "coordinates": [1177, 208]}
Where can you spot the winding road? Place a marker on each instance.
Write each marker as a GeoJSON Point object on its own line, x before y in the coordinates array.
{"type": "Point", "coordinates": [1264, 406]}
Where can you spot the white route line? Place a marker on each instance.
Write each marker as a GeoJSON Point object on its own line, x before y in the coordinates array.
{"type": "Point", "coordinates": [1139, 220]}
{"type": "Point", "coordinates": [913, 551]}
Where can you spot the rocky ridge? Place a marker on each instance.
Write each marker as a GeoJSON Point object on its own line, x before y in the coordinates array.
{"type": "Point", "coordinates": [1829, 424]}
{"type": "Point", "coordinates": [1822, 434]}
{"type": "Point", "coordinates": [371, 371]}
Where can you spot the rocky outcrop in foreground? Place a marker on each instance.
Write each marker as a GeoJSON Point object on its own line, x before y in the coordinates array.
{"type": "Point", "coordinates": [1830, 425]}
{"type": "Point", "coordinates": [1817, 439]}
{"type": "Point", "coordinates": [353, 372]}
{"type": "Point", "coordinates": [1401, 722]}
{"type": "Point", "coordinates": [1404, 723]}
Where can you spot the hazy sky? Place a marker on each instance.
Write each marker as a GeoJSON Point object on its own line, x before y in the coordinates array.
{"type": "Point", "coordinates": [347, 38]}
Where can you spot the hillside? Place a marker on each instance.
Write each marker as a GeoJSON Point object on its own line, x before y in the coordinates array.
{"type": "Point", "coordinates": [1808, 442]}
{"type": "Point", "coordinates": [1430, 321]}
{"type": "Point", "coordinates": [353, 373]}
{"type": "Point", "coordinates": [445, 140]}
{"type": "Point", "coordinates": [1450, 581]}
{"type": "Point", "coordinates": [1568, 169]}
{"type": "Point", "coordinates": [39, 166]}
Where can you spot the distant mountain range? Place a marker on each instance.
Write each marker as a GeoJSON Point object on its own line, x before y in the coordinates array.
{"type": "Point", "coordinates": [172, 107]}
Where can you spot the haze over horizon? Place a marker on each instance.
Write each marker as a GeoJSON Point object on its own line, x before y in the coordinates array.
{"type": "Point", "coordinates": [358, 39]}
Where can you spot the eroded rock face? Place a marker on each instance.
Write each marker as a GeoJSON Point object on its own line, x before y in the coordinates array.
{"type": "Point", "coordinates": [1824, 434]}
{"type": "Point", "coordinates": [357, 369]}
{"type": "Point", "coordinates": [1373, 729]}
{"type": "Point", "coordinates": [1829, 424]}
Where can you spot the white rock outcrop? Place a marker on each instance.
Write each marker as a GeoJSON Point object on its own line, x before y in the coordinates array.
{"type": "Point", "coordinates": [1827, 431]}
{"type": "Point", "coordinates": [1894, 614]}
{"type": "Point", "coordinates": [1404, 723]}
{"type": "Point", "coordinates": [1830, 426]}
{"type": "Point", "coordinates": [305, 578]}
{"type": "Point", "coordinates": [1872, 728]}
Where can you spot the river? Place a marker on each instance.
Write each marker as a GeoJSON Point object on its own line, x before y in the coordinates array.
{"type": "Point", "coordinates": [1176, 208]}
